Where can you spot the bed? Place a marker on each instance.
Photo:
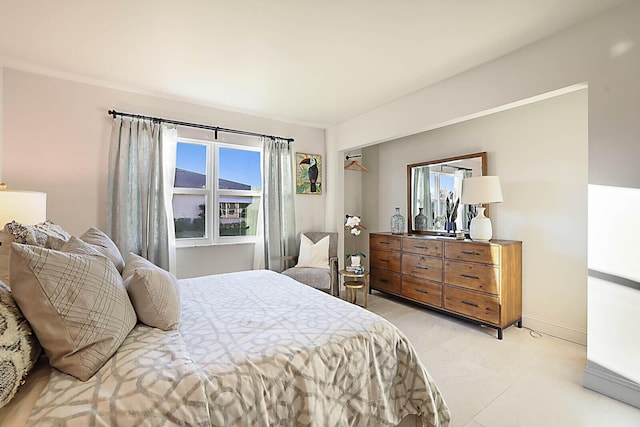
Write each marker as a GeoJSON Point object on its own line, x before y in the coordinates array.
{"type": "Point", "coordinates": [253, 348]}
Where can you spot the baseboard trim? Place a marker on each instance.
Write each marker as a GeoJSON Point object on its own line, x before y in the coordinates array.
{"type": "Point", "coordinates": [556, 330]}
{"type": "Point", "coordinates": [604, 381]}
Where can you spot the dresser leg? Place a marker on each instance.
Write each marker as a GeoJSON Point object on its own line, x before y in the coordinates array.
{"type": "Point", "coordinates": [499, 333]}
{"type": "Point", "coordinates": [519, 324]}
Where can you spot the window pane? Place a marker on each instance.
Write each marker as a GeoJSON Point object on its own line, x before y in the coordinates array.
{"type": "Point", "coordinates": [238, 215]}
{"type": "Point", "coordinates": [239, 169]}
{"type": "Point", "coordinates": [188, 215]}
{"type": "Point", "coordinates": [191, 166]}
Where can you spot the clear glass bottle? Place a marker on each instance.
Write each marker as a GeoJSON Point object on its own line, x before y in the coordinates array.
{"type": "Point", "coordinates": [397, 223]}
{"type": "Point", "coordinates": [420, 220]}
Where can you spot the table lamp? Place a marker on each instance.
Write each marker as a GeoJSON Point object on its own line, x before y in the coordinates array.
{"type": "Point", "coordinates": [481, 189]}
{"type": "Point", "coordinates": [25, 207]}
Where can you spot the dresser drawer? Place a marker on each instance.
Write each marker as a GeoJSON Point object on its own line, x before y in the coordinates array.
{"type": "Point", "coordinates": [472, 304]}
{"type": "Point", "coordinates": [423, 267]}
{"type": "Point", "coordinates": [385, 259]}
{"type": "Point", "coordinates": [420, 246]}
{"type": "Point", "coordinates": [485, 253]}
{"type": "Point", "coordinates": [480, 277]}
{"type": "Point", "coordinates": [382, 242]}
{"type": "Point", "coordinates": [422, 291]}
{"type": "Point", "coordinates": [385, 280]}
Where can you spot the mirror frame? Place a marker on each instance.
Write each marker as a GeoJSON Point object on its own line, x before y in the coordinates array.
{"type": "Point", "coordinates": [410, 230]}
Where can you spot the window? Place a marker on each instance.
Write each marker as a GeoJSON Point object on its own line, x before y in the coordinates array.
{"type": "Point", "coordinates": [210, 174]}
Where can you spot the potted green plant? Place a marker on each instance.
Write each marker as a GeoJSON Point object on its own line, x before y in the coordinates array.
{"type": "Point", "coordinates": [452, 213]}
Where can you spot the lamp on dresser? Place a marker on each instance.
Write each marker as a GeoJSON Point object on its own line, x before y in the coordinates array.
{"type": "Point", "coordinates": [26, 207]}
{"type": "Point", "coordinates": [481, 189]}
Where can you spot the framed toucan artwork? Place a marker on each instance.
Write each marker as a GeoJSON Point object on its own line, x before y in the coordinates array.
{"type": "Point", "coordinates": [308, 173]}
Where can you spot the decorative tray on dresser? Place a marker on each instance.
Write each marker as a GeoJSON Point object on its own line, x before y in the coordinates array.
{"type": "Point", "coordinates": [478, 281]}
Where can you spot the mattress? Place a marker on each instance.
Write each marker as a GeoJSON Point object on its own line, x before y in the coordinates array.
{"type": "Point", "coordinates": [253, 348]}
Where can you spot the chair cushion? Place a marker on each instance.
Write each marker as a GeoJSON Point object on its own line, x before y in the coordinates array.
{"type": "Point", "coordinates": [319, 278]}
{"type": "Point", "coordinates": [313, 255]}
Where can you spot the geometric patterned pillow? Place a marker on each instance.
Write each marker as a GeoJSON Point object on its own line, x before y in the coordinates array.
{"type": "Point", "coordinates": [76, 305]}
{"type": "Point", "coordinates": [105, 245]}
{"type": "Point", "coordinates": [19, 348]}
{"type": "Point", "coordinates": [38, 234]}
{"type": "Point", "coordinates": [153, 292]}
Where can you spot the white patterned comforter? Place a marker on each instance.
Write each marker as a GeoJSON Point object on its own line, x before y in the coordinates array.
{"type": "Point", "coordinates": [253, 349]}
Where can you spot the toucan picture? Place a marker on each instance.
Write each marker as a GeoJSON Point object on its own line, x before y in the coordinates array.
{"type": "Point", "coordinates": [312, 172]}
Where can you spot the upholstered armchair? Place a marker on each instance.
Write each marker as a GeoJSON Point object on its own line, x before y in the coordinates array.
{"type": "Point", "coordinates": [323, 278]}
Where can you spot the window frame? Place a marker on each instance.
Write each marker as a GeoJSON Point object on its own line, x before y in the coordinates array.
{"type": "Point", "coordinates": [213, 194]}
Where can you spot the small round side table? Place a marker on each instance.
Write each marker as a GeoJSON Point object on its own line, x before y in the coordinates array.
{"type": "Point", "coordinates": [353, 282]}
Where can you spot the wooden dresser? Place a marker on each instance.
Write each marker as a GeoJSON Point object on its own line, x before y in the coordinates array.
{"type": "Point", "coordinates": [478, 281]}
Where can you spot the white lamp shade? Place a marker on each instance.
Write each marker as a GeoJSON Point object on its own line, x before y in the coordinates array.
{"type": "Point", "coordinates": [481, 189]}
{"type": "Point", "coordinates": [26, 207]}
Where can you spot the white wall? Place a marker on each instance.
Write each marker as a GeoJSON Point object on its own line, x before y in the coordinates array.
{"type": "Point", "coordinates": [539, 151]}
{"type": "Point", "coordinates": [614, 278]}
{"type": "Point", "coordinates": [603, 52]}
{"type": "Point", "coordinates": [56, 138]}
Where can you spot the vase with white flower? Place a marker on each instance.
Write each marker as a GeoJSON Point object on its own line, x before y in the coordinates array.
{"type": "Point", "coordinates": [354, 227]}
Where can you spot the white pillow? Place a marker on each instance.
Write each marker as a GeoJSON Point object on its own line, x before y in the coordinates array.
{"type": "Point", "coordinates": [314, 255]}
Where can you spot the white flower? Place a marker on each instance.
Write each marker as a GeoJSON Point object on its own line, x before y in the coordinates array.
{"type": "Point", "coordinates": [352, 221]}
{"type": "Point", "coordinates": [355, 231]}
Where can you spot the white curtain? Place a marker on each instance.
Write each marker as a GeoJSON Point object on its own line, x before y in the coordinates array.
{"type": "Point", "coordinates": [278, 202]}
{"type": "Point", "coordinates": [422, 194]}
{"type": "Point", "coordinates": [141, 173]}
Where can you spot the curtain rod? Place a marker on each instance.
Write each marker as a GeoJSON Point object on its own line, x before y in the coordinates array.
{"type": "Point", "coordinates": [216, 129]}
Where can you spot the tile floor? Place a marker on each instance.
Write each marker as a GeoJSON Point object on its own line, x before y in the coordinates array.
{"type": "Point", "coordinates": [523, 380]}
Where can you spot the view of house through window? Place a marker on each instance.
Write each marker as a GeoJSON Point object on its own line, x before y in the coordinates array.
{"type": "Point", "coordinates": [236, 170]}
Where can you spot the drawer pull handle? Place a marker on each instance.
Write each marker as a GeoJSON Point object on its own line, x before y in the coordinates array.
{"type": "Point", "coordinates": [469, 303]}
{"type": "Point", "coordinates": [470, 277]}
{"type": "Point", "coordinates": [385, 243]}
{"type": "Point", "coordinates": [471, 253]}
{"type": "Point", "coordinates": [384, 280]}
{"type": "Point", "coordinates": [421, 267]}
{"type": "Point", "coordinates": [384, 260]}
{"type": "Point", "coordinates": [422, 291]}
{"type": "Point", "coordinates": [421, 247]}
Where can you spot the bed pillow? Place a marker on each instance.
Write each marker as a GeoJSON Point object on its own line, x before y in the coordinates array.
{"type": "Point", "coordinates": [77, 246]}
{"type": "Point", "coordinates": [5, 249]}
{"type": "Point", "coordinates": [19, 348]}
{"type": "Point", "coordinates": [38, 235]}
{"type": "Point", "coordinates": [46, 234]}
{"type": "Point", "coordinates": [75, 303]}
{"type": "Point", "coordinates": [314, 255]}
{"type": "Point", "coordinates": [153, 292]}
{"type": "Point", "coordinates": [105, 245]}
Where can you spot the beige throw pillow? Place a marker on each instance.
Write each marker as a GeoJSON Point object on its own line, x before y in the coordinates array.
{"type": "Point", "coordinates": [154, 293]}
{"type": "Point", "coordinates": [314, 255]}
{"type": "Point", "coordinates": [45, 234]}
{"type": "Point", "coordinates": [76, 246]}
{"type": "Point", "coordinates": [76, 305]}
{"type": "Point", "coordinates": [105, 245]}
{"type": "Point", "coordinates": [5, 249]}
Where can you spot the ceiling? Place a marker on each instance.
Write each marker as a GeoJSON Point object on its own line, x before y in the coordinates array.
{"type": "Point", "coordinates": [314, 62]}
